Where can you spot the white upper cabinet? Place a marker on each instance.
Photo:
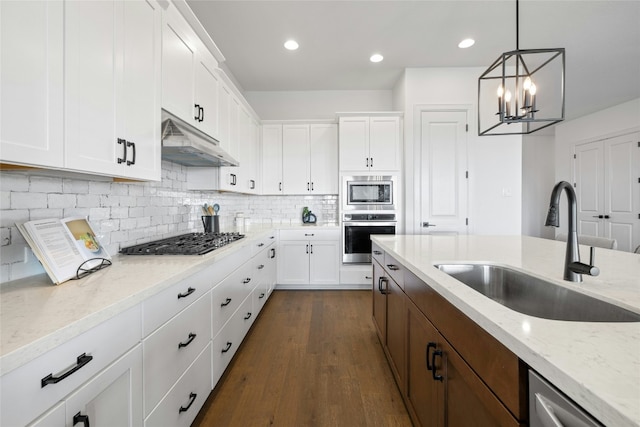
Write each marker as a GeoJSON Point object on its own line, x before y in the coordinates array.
{"type": "Point", "coordinates": [31, 82]}
{"type": "Point", "coordinates": [190, 84]}
{"type": "Point", "coordinates": [178, 59]}
{"type": "Point", "coordinates": [370, 144]}
{"type": "Point", "coordinates": [272, 159]}
{"type": "Point", "coordinates": [296, 173]}
{"type": "Point", "coordinates": [309, 159]}
{"type": "Point", "coordinates": [112, 88]}
{"type": "Point", "coordinates": [323, 140]}
{"type": "Point", "coordinates": [206, 96]}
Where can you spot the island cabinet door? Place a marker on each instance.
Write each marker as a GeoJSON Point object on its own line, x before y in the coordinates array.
{"type": "Point", "coordinates": [424, 396]}
{"type": "Point", "coordinates": [379, 292]}
{"type": "Point", "coordinates": [467, 400]}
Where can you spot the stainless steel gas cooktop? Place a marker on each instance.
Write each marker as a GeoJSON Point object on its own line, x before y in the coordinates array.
{"type": "Point", "coordinates": [185, 244]}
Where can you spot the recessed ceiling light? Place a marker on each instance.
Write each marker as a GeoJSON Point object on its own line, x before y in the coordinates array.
{"type": "Point", "coordinates": [376, 57]}
{"type": "Point", "coordinates": [291, 44]}
{"type": "Point", "coordinates": [466, 43]}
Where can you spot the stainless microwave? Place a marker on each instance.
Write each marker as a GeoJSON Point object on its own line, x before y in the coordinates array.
{"type": "Point", "coordinates": [368, 192]}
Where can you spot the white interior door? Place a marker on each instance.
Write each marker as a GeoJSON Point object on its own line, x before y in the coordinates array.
{"type": "Point", "coordinates": [608, 190]}
{"type": "Point", "coordinates": [589, 169]}
{"type": "Point", "coordinates": [622, 190]}
{"type": "Point", "coordinates": [444, 172]}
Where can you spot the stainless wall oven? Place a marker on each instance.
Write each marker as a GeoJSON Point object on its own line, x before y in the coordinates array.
{"type": "Point", "coordinates": [368, 193]}
{"type": "Point", "coordinates": [357, 229]}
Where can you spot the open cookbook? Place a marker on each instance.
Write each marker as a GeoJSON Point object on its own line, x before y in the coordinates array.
{"type": "Point", "coordinates": [67, 248]}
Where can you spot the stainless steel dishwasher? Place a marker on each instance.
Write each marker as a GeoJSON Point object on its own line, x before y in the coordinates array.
{"type": "Point", "coordinates": [548, 407]}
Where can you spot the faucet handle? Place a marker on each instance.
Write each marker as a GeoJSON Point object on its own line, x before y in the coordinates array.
{"type": "Point", "coordinates": [594, 271]}
{"type": "Point", "coordinates": [590, 269]}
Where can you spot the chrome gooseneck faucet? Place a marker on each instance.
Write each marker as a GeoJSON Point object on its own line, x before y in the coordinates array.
{"type": "Point", "coordinates": [573, 268]}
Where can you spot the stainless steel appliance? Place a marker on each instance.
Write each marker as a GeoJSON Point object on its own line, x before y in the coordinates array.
{"type": "Point", "coordinates": [184, 244]}
{"type": "Point", "coordinates": [368, 193]}
{"type": "Point", "coordinates": [357, 229]}
{"type": "Point", "coordinates": [548, 407]}
{"type": "Point", "coordinates": [184, 144]}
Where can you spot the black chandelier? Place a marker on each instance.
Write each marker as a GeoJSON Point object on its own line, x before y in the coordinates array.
{"type": "Point", "coordinates": [528, 86]}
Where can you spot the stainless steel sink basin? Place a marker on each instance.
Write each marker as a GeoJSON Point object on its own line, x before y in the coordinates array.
{"type": "Point", "coordinates": [535, 297]}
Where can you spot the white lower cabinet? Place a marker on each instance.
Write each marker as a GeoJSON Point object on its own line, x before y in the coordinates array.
{"type": "Point", "coordinates": [34, 388]}
{"type": "Point", "coordinates": [309, 257]}
{"type": "Point", "coordinates": [181, 404]}
{"type": "Point", "coordinates": [226, 343]}
{"type": "Point", "coordinates": [111, 398]}
{"type": "Point", "coordinates": [173, 347]}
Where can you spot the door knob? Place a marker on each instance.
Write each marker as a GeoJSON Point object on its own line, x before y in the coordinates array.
{"type": "Point", "coordinates": [426, 224]}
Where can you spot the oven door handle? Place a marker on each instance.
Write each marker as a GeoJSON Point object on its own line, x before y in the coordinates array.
{"type": "Point", "coordinates": [369, 223]}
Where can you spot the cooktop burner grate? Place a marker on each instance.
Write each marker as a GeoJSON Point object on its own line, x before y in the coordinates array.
{"type": "Point", "coordinates": [185, 244]}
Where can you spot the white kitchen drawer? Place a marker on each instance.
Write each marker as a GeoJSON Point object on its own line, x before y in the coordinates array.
{"type": "Point", "coordinates": [172, 348]}
{"type": "Point", "coordinates": [356, 275]}
{"type": "Point", "coordinates": [24, 397]}
{"type": "Point", "coordinates": [259, 296]}
{"type": "Point", "coordinates": [263, 242]}
{"type": "Point", "coordinates": [183, 402]}
{"type": "Point", "coordinates": [226, 343]}
{"type": "Point", "coordinates": [248, 314]}
{"type": "Point", "coordinates": [163, 306]}
{"type": "Point", "coordinates": [311, 233]}
{"type": "Point", "coordinates": [229, 294]}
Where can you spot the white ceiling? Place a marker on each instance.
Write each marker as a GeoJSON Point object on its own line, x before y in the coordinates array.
{"type": "Point", "coordinates": [601, 38]}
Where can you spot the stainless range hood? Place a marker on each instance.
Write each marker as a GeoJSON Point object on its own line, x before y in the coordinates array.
{"type": "Point", "coordinates": [184, 144]}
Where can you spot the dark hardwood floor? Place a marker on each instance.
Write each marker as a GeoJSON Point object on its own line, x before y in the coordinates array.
{"type": "Point", "coordinates": [311, 359]}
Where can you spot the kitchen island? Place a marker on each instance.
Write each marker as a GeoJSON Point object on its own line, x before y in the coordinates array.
{"type": "Point", "coordinates": [595, 364]}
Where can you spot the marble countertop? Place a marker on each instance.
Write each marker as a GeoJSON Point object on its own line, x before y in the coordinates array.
{"type": "Point", "coordinates": [595, 364]}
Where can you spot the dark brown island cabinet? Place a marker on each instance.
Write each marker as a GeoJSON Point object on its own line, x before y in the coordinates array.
{"type": "Point", "coordinates": [449, 370]}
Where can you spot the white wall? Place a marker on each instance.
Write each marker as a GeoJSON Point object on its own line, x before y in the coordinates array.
{"type": "Point", "coordinates": [314, 105]}
{"type": "Point", "coordinates": [495, 165]}
{"type": "Point", "coordinates": [538, 178]}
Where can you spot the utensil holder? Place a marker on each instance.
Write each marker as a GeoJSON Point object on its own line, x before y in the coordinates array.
{"type": "Point", "coordinates": [211, 223]}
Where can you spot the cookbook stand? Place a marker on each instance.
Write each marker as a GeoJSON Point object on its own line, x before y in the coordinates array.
{"type": "Point", "coordinates": [85, 271]}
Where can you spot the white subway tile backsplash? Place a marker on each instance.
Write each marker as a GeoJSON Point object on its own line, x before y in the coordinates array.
{"type": "Point", "coordinates": [61, 200]}
{"type": "Point", "coordinates": [5, 200]}
{"type": "Point", "coordinates": [125, 214]}
{"type": "Point", "coordinates": [10, 217]}
{"type": "Point", "coordinates": [28, 200]}
{"type": "Point", "coordinates": [88, 200]}
{"type": "Point", "coordinates": [45, 184]}
{"type": "Point", "coordinates": [99, 187]}
{"type": "Point", "coordinates": [5, 236]}
{"type": "Point", "coordinates": [75, 186]}
{"type": "Point", "coordinates": [11, 182]}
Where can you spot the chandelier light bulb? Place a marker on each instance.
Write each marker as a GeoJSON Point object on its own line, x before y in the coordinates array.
{"type": "Point", "coordinates": [527, 83]}
{"type": "Point", "coordinates": [532, 89]}
{"type": "Point", "coordinates": [507, 96]}
{"type": "Point", "coordinates": [500, 91]}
